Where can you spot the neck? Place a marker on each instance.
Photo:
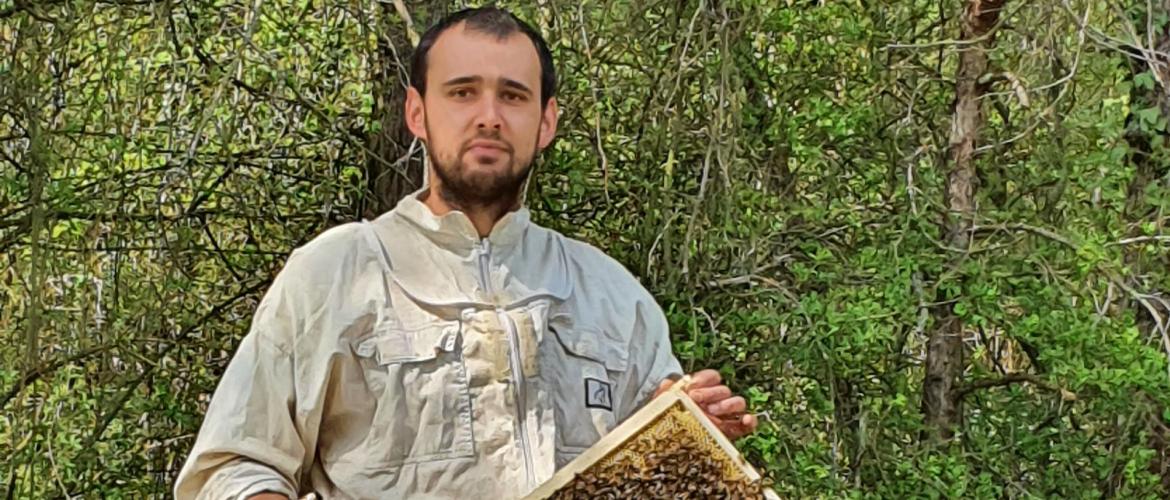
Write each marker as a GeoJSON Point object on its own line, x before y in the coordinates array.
{"type": "Point", "coordinates": [482, 216]}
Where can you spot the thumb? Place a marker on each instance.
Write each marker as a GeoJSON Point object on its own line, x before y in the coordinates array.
{"type": "Point", "coordinates": [664, 386]}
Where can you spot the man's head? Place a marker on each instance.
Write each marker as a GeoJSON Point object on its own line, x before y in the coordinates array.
{"type": "Point", "coordinates": [482, 98]}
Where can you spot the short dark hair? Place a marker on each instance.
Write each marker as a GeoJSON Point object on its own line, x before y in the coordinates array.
{"type": "Point", "coordinates": [491, 21]}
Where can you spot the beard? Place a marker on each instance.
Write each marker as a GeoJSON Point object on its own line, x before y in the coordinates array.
{"type": "Point", "coordinates": [463, 187]}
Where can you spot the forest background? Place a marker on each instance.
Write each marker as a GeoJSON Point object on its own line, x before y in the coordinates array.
{"type": "Point", "coordinates": [927, 239]}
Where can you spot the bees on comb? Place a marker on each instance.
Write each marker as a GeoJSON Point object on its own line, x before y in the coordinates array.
{"type": "Point", "coordinates": [668, 449]}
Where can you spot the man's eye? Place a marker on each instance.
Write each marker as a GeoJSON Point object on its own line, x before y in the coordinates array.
{"type": "Point", "coordinates": [461, 92]}
{"type": "Point", "coordinates": [512, 96]}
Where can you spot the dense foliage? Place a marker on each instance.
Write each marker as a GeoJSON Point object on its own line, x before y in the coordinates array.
{"type": "Point", "coordinates": [774, 171]}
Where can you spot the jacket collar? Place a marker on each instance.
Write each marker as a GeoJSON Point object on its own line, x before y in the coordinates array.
{"type": "Point", "coordinates": [530, 263]}
{"type": "Point", "coordinates": [455, 231]}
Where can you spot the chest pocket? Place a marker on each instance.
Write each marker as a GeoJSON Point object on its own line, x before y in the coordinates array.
{"type": "Point", "coordinates": [419, 383]}
{"type": "Point", "coordinates": [589, 368]}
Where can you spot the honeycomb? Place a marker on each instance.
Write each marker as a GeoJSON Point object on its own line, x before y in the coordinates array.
{"type": "Point", "coordinates": [672, 456]}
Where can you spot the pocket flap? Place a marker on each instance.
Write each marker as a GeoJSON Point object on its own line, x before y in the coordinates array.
{"type": "Point", "coordinates": [388, 345]}
{"type": "Point", "coordinates": [593, 344]}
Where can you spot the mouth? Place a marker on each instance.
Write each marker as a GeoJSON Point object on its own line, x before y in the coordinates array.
{"type": "Point", "coordinates": [488, 147]}
{"type": "Point", "coordinates": [481, 151]}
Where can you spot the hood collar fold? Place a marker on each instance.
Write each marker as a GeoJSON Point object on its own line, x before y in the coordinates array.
{"type": "Point", "coordinates": [454, 229]}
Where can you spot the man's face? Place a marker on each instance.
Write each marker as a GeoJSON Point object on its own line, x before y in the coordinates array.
{"type": "Point", "coordinates": [481, 118]}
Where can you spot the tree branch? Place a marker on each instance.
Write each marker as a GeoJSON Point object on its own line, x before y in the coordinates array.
{"type": "Point", "coordinates": [32, 376]}
{"type": "Point", "coordinates": [1014, 378]}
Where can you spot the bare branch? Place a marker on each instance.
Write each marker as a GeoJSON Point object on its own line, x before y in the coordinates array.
{"type": "Point", "coordinates": [1015, 378]}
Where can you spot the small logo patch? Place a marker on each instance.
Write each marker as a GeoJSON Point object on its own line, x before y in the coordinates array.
{"type": "Point", "coordinates": [598, 394]}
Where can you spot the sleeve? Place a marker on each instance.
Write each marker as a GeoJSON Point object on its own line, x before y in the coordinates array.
{"type": "Point", "coordinates": [652, 359]}
{"type": "Point", "coordinates": [249, 442]}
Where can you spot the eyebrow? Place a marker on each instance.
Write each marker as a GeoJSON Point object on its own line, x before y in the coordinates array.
{"type": "Point", "coordinates": [461, 80]}
{"type": "Point", "coordinates": [507, 82]}
{"type": "Point", "coordinates": [504, 82]}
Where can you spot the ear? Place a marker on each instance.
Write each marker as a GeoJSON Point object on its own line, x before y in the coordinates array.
{"type": "Point", "coordinates": [548, 124]}
{"type": "Point", "coordinates": [416, 114]}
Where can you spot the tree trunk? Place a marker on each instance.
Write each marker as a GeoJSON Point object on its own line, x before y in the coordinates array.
{"type": "Point", "coordinates": [25, 98]}
{"type": "Point", "coordinates": [944, 355]}
{"type": "Point", "coordinates": [391, 170]}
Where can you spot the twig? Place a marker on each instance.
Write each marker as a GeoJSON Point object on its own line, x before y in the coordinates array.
{"type": "Point", "coordinates": [598, 138]}
{"type": "Point", "coordinates": [410, 33]}
{"type": "Point", "coordinates": [657, 240]}
{"type": "Point", "coordinates": [1029, 228]}
{"type": "Point", "coordinates": [957, 43]}
{"type": "Point", "coordinates": [1051, 108]}
{"type": "Point", "coordinates": [747, 279]}
{"type": "Point", "coordinates": [148, 370]}
{"type": "Point", "coordinates": [53, 462]}
{"type": "Point", "coordinates": [1162, 326]}
{"type": "Point", "coordinates": [1014, 378]}
{"type": "Point", "coordinates": [910, 189]}
{"type": "Point", "coordinates": [695, 209]}
{"type": "Point", "coordinates": [31, 377]}
{"type": "Point", "coordinates": [1081, 32]}
{"type": "Point", "coordinates": [683, 54]}
{"type": "Point", "coordinates": [923, 308]}
{"type": "Point", "coordinates": [1141, 239]}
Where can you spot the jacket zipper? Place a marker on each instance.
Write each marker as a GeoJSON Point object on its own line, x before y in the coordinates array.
{"type": "Point", "coordinates": [514, 361]}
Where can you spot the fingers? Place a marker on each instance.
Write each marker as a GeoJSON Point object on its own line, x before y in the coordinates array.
{"type": "Point", "coordinates": [727, 407]}
{"type": "Point", "coordinates": [699, 380]}
{"type": "Point", "coordinates": [749, 423]}
{"type": "Point", "coordinates": [709, 395]}
{"type": "Point", "coordinates": [727, 412]}
{"type": "Point", "coordinates": [737, 427]}
{"type": "Point", "coordinates": [705, 378]}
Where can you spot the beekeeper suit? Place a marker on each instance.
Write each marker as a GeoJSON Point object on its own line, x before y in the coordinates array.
{"type": "Point", "coordinates": [406, 357]}
{"type": "Point", "coordinates": [450, 348]}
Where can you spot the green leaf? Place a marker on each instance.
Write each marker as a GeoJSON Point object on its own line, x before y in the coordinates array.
{"type": "Point", "coordinates": [1144, 80]}
{"type": "Point", "coordinates": [1147, 116]}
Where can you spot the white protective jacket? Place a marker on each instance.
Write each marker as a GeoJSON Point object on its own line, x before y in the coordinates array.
{"type": "Point", "coordinates": [406, 357]}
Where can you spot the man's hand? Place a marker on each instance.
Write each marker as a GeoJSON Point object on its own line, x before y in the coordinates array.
{"type": "Point", "coordinates": [727, 412]}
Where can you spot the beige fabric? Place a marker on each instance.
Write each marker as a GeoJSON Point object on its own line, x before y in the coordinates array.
{"type": "Point", "coordinates": [407, 358]}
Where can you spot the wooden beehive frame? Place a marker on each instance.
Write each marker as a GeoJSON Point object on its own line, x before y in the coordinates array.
{"type": "Point", "coordinates": [623, 433]}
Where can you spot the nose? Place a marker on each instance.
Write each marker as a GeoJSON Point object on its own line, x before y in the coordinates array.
{"type": "Point", "coordinates": [489, 116]}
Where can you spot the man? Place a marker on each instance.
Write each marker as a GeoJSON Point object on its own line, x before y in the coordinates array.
{"type": "Point", "coordinates": [451, 348]}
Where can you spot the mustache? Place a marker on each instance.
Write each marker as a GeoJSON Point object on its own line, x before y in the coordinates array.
{"type": "Point", "coordinates": [493, 136]}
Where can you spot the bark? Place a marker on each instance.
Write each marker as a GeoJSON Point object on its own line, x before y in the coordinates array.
{"type": "Point", "coordinates": [944, 355]}
{"type": "Point", "coordinates": [24, 95]}
{"type": "Point", "coordinates": [390, 172]}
